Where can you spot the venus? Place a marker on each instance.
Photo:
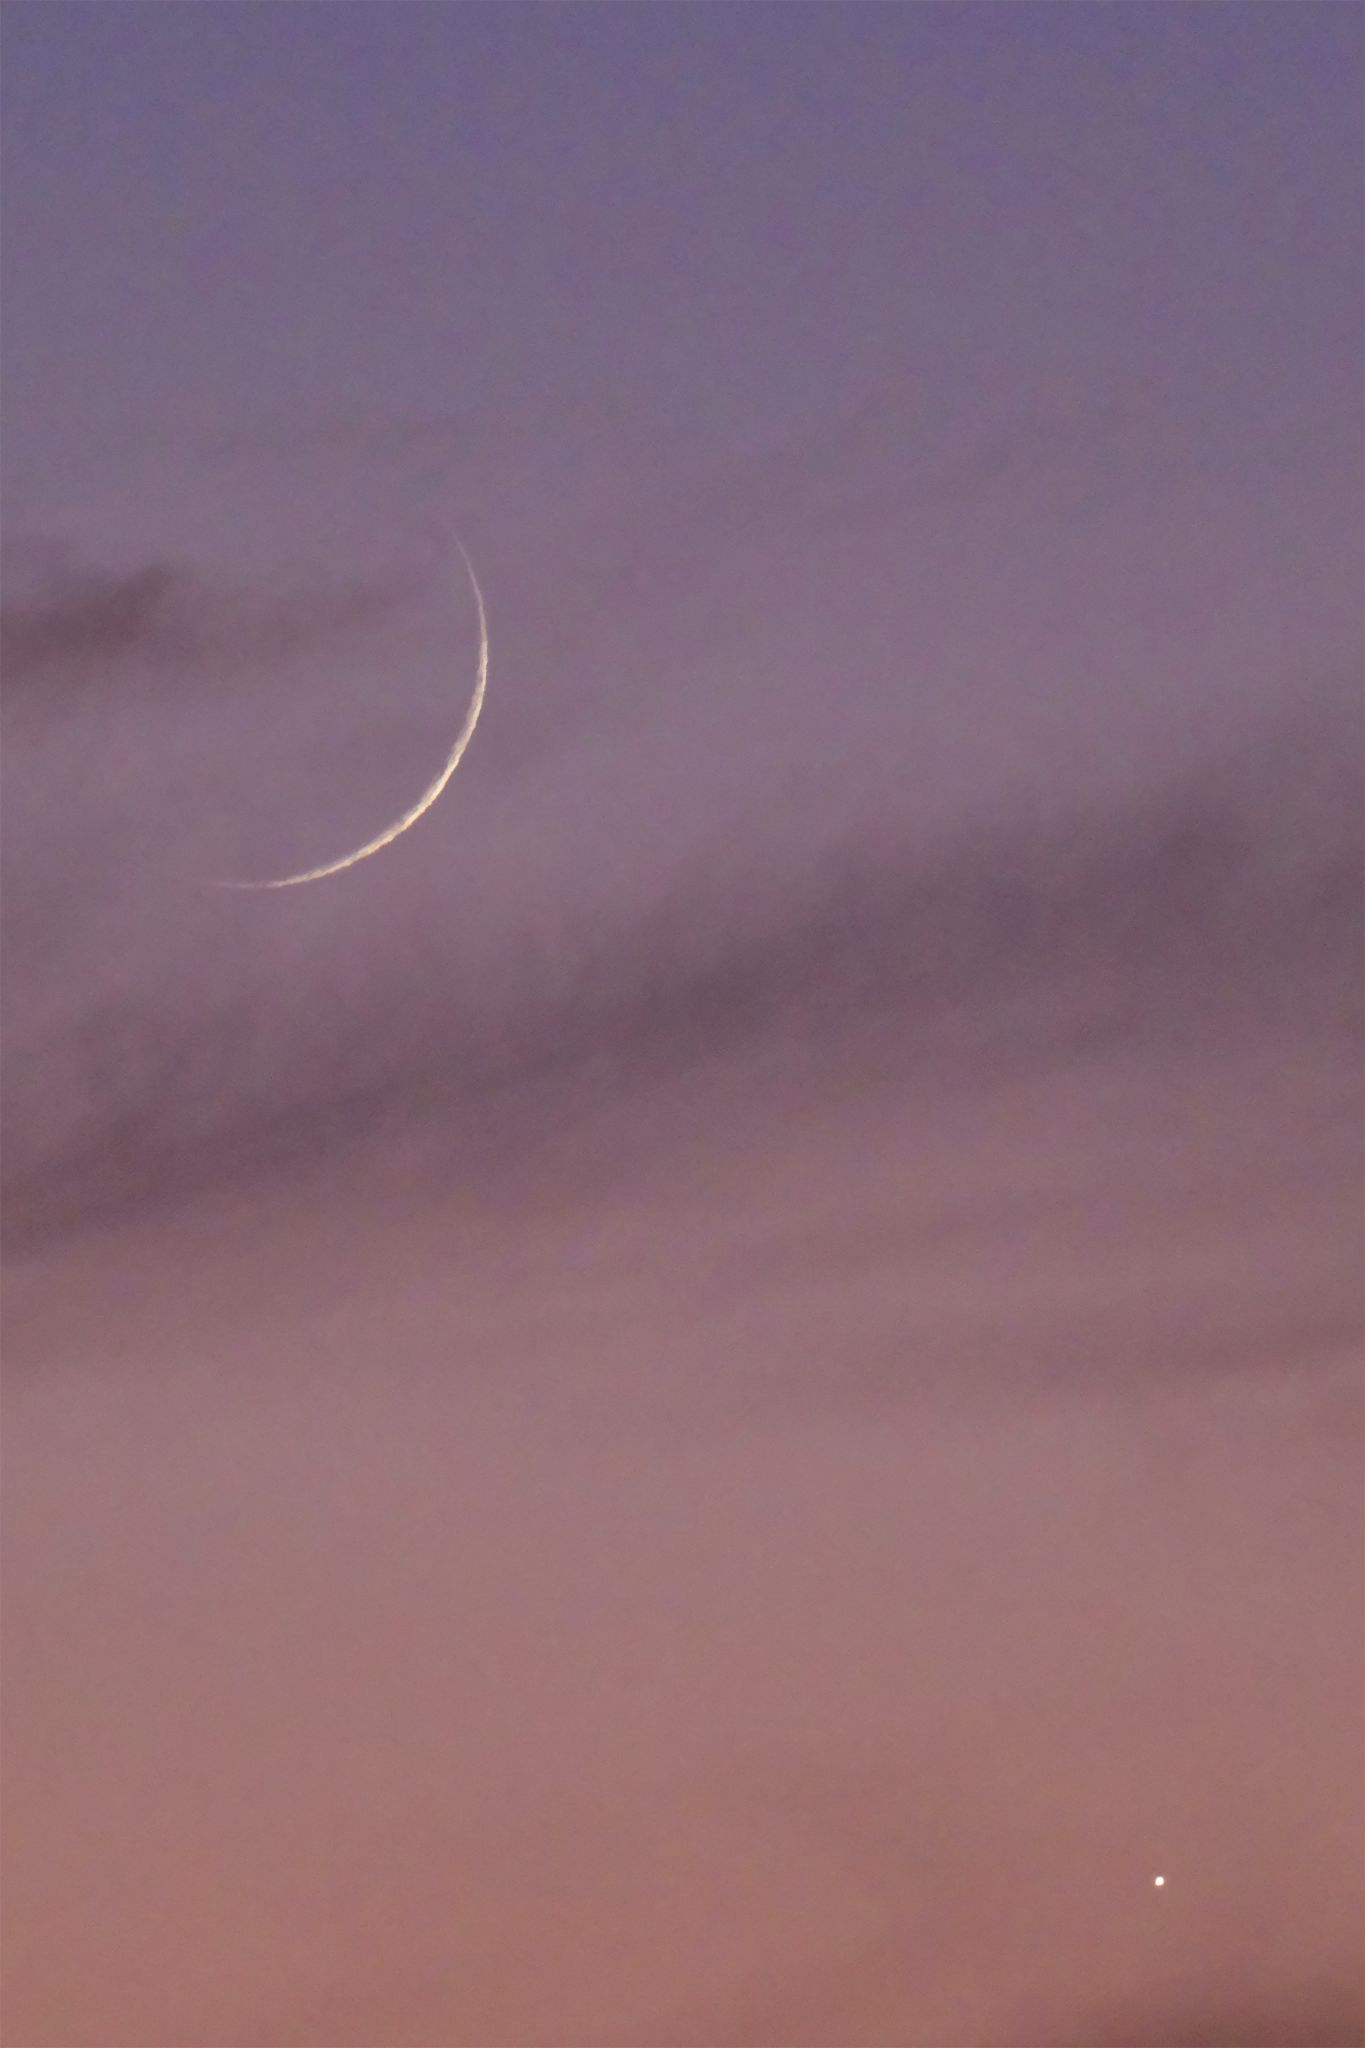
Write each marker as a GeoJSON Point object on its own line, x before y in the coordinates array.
{"type": "Point", "coordinates": [430, 794]}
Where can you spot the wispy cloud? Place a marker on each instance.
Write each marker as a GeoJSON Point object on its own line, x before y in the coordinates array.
{"type": "Point", "coordinates": [86, 624]}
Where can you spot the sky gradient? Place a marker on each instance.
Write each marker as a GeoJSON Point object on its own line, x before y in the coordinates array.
{"type": "Point", "coordinates": [717, 1401]}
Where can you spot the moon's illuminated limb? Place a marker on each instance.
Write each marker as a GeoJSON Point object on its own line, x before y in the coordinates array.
{"type": "Point", "coordinates": [428, 796]}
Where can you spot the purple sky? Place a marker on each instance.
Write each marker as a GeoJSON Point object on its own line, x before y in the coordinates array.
{"type": "Point", "coordinates": [712, 1403]}
{"type": "Point", "coordinates": [732, 222]}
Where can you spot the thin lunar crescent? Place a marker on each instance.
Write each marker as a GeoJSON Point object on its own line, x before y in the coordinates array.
{"type": "Point", "coordinates": [429, 795]}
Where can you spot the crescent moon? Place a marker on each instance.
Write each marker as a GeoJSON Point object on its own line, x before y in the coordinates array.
{"type": "Point", "coordinates": [430, 794]}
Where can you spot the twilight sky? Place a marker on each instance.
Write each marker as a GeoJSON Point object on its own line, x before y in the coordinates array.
{"type": "Point", "coordinates": [712, 1403]}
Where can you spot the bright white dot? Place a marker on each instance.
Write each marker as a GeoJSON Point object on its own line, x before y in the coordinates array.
{"type": "Point", "coordinates": [1158, 1882]}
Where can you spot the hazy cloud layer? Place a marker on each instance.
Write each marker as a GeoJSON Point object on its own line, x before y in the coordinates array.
{"type": "Point", "coordinates": [850, 843]}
